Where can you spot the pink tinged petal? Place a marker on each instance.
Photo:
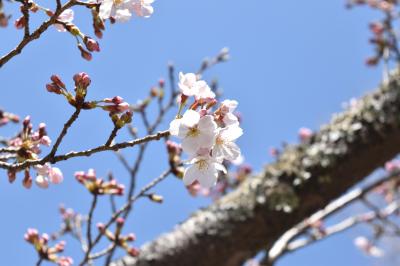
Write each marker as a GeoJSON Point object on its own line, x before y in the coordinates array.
{"type": "Point", "coordinates": [190, 118]}
{"type": "Point", "coordinates": [60, 28]}
{"type": "Point", "coordinates": [230, 119]}
{"type": "Point", "coordinates": [67, 16]}
{"type": "Point", "coordinates": [42, 169]}
{"type": "Point", "coordinates": [229, 105]}
{"type": "Point", "coordinates": [42, 181]}
{"type": "Point", "coordinates": [147, 11]}
{"type": "Point", "coordinates": [361, 242]}
{"type": "Point", "coordinates": [106, 8]}
{"type": "Point", "coordinates": [122, 15]}
{"type": "Point", "coordinates": [238, 161]}
{"type": "Point", "coordinates": [217, 151]}
{"type": "Point", "coordinates": [375, 251]}
{"type": "Point", "coordinates": [203, 90]}
{"type": "Point", "coordinates": [206, 139]}
{"type": "Point", "coordinates": [186, 83]}
{"type": "Point", "coordinates": [231, 151]}
{"type": "Point", "coordinates": [208, 177]}
{"type": "Point", "coordinates": [231, 133]}
{"type": "Point", "coordinates": [190, 145]}
{"type": "Point", "coordinates": [207, 124]}
{"type": "Point", "coordinates": [55, 175]}
{"type": "Point", "coordinates": [189, 175]}
{"type": "Point", "coordinates": [45, 140]}
{"type": "Point", "coordinates": [174, 127]}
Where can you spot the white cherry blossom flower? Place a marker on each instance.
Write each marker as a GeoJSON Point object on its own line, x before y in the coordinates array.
{"type": "Point", "coordinates": [197, 132]}
{"type": "Point", "coordinates": [204, 169]}
{"type": "Point", "coordinates": [225, 146]}
{"type": "Point", "coordinates": [67, 17]}
{"type": "Point", "coordinates": [120, 10]}
{"type": "Point", "coordinates": [187, 84]}
{"type": "Point", "coordinates": [143, 8]}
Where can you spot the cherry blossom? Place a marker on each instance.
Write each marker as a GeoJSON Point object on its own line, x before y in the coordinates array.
{"type": "Point", "coordinates": [143, 8]}
{"type": "Point", "coordinates": [67, 17]}
{"type": "Point", "coordinates": [204, 169]}
{"type": "Point", "coordinates": [47, 174]}
{"type": "Point", "coordinates": [197, 132]}
{"type": "Point", "coordinates": [120, 10]}
{"type": "Point", "coordinates": [224, 144]}
{"type": "Point", "coordinates": [189, 85]}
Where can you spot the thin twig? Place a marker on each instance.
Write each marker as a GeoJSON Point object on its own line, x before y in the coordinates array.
{"type": "Point", "coordinates": [72, 154]}
{"type": "Point", "coordinates": [280, 247]}
{"type": "Point", "coordinates": [89, 222]}
{"type": "Point", "coordinates": [112, 136]}
{"type": "Point", "coordinates": [64, 131]}
{"type": "Point", "coordinates": [123, 209]}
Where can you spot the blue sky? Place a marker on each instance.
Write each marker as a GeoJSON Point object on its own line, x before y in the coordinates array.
{"type": "Point", "coordinates": [293, 63]}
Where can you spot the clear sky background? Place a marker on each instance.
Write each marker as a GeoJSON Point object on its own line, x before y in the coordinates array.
{"type": "Point", "coordinates": [293, 63]}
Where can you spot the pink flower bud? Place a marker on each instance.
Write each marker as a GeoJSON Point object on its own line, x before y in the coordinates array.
{"type": "Point", "coordinates": [161, 83]}
{"type": "Point", "coordinates": [12, 175]}
{"type": "Point", "coordinates": [45, 140]}
{"type": "Point", "coordinates": [305, 134]}
{"type": "Point", "coordinates": [20, 23]}
{"type": "Point", "coordinates": [27, 121]}
{"type": "Point", "coordinates": [101, 227]}
{"type": "Point", "coordinates": [65, 261]}
{"type": "Point", "coordinates": [4, 20]}
{"type": "Point", "coordinates": [82, 80]}
{"type": "Point", "coordinates": [134, 252]}
{"type": "Point", "coordinates": [27, 181]}
{"type": "Point", "coordinates": [42, 181]}
{"type": "Point", "coordinates": [84, 54]}
{"type": "Point", "coordinates": [120, 221]}
{"type": "Point", "coordinates": [131, 237]}
{"type": "Point", "coordinates": [45, 237]}
{"type": "Point", "coordinates": [91, 44]}
{"type": "Point", "coordinates": [55, 175]}
{"type": "Point", "coordinates": [57, 80]}
{"type": "Point", "coordinates": [98, 33]}
{"type": "Point", "coordinates": [60, 246]}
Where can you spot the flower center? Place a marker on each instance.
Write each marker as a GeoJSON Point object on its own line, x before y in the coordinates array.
{"type": "Point", "coordinates": [219, 141]}
{"type": "Point", "coordinates": [193, 132]}
{"type": "Point", "coordinates": [202, 165]}
{"type": "Point", "coordinates": [118, 2]}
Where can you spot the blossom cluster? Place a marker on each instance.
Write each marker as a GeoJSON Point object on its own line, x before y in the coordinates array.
{"type": "Point", "coordinates": [98, 186]}
{"type": "Point", "coordinates": [45, 252]}
{"type": "Point", "coordinates": [121, 10]}
{"type": "Point", "coordinates": [384, 5]}
{"type": "Point", "coordinates": [114, 105]}
{"type": "Point", "coordinates": [118, 239]}
{"type": "Point", "coordinates": [208, 137]}
{"type": "Point", "coordinates": [27, 146]}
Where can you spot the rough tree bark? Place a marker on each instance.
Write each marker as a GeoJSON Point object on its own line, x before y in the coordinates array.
{"type": "Point", "coordinates": [304, 179]}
